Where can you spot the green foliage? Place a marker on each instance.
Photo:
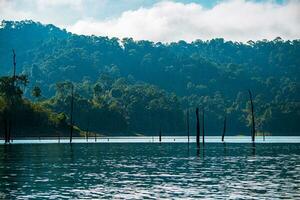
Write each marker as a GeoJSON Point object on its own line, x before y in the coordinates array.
{"type": "Point", "coordinates": [28, 119]}
{"type": "Point", "coordinates": [120, 107]}
{"type": "Point", "coordinates": [10, 87]}
{"type": "Point", "coordinates": [127, 85]}
{"type": "Point", "coordinates": [36, 92]}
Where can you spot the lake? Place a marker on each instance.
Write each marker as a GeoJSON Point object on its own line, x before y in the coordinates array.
{"type": "Point", "coordinates": [118, 168]}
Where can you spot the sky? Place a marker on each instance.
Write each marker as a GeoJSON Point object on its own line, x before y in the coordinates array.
{"type": "Point", "coordinates": [164, 20]}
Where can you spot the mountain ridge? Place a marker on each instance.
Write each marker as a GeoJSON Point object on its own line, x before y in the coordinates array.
{"type": "Point", "coordinates": [214, 74]}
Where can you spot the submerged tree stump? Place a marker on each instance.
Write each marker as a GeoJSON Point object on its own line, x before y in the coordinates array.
{"type": "Point", "coordinates": [252, 118]}
{"type": "Point", "coordinates": [160, 134]}
{"type": "Point", "coordinates": [224, 129]}
{"type": "Point", "coordinates": [87, 130]}
{"type": "Point", "coordinates": [188, 124]}
{"type": "Point", "coordinates": [5, 131]}
{"type": "Point", "coordinates": [9, 130]}
{"type": "Point", "coordinates": [203, 128]}
{"type": "Point", "coordinates": [71, 113]}
{"type": "Point", "coordinates": [197, 128]}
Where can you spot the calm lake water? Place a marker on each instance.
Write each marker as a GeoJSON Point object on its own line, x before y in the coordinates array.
{"type": "Point", "coordinates": [150, 170]}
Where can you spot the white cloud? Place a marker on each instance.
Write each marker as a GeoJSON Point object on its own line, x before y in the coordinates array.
{"type": "Point", "coordinates": [238, 20]}
{"type": "Point", "coordinates": [58, 12]}
{"type": "Point", "coordinates": [167, 21]}
{"type": "Point", "coordinates": [8, 12]}
{"type": "Point", "coordinates": [75, 4]}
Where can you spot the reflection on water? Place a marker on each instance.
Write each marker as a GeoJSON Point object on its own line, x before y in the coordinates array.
{"type": "Point", "coordinates": [149, 170]}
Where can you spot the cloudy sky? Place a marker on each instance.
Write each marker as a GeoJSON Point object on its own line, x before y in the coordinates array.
{"type": "Point", "coordinates": [167, 20]}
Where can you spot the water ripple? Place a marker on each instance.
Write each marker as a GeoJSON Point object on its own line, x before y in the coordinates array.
{"type": "Point", "coordinates": [149, 171]}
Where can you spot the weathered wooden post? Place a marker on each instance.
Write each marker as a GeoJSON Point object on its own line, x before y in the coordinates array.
{"type": "Point", "coordinates": [197, 128]}
{"type": "Point", "coordinates": [71, 112]}
{"type": "Point", "coordinates": [224, 129]}
{"type": "Point", "coordinates": [253, 120]}
{"type": "Point", "coordinates": [203, 127]}
{"type": "Point", "coordinates": [188, 124]}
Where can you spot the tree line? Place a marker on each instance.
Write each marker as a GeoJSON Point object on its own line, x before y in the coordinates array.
{"type": "Point", "coordinates": [133, 81]}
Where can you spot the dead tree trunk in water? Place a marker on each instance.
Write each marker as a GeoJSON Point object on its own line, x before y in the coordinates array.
{"type": "Point", "coordinates": [14, 66]}
{"type": "Point", "coordinates": [87, 130]}
{"type": "Point", "coordinates": [5, 131]}
{"type": "Point", "coordinates": [9, 130]}
{"type": "Point", "coordinates": [71, 113]}
{"type": "Point", "coordinates": [188, 125]}
{"type": "Point", "coordinates": [203, 127]}
{"type": "Point", "coordinates": [159, 134]}
{"type": "Point", "coordinates": [253, 120]}
{"type": "Point", "coordinates": [224, 129]}
{"type": "Point", "coordinates": [13, 112]}
{"type": "Point", "coordinates": [198, 128]}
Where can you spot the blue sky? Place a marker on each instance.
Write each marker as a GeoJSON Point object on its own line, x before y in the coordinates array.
{"type": "Point", "coordinates": [164, 20]}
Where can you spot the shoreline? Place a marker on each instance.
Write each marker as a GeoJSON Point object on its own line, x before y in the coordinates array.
{"type": "Point", "coordinates": [153, 139]}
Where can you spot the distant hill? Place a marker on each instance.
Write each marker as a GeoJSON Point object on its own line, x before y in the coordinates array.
{"type": "Point", "coordinates": [212, 74]}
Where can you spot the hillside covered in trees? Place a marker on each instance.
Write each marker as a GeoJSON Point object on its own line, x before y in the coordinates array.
{"type": "Point", "coordinates": [126, 87]}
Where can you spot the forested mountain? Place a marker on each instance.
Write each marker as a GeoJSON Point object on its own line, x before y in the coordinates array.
{"type": "Point", "coordinates": [126, 86]}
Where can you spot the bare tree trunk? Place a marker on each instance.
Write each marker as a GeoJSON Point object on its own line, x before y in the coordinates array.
{"type": "Point", "coordinates": [188, 124]}
{"type": "Point", "coordinates": [14, 65]}
{"type": "Point", "coordinates": [9, 130]}
{"type": "Point", "coordinates": [198, 128]}
{"type": "Point", "coordinates": [71, 114]}
{"type": "Point", "coordinates": [224, 129]}
{"type": "Point", "coordinates": [5, 131]}
{"type": "Point", "coordinates": [87, 131]}
{"type": "Point", "coordinates": [203, 127]}
{"type": "Point", "coordinates": [9, 125]}
{"type": "Point", "coordinates": [160, 134]}
{"type": "Point", "coordinates": [252, 114]}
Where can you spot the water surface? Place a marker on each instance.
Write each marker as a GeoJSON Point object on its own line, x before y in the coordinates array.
{"type": "Point", "coordinates": [150, 170]}
{"type": "Point", "coordinates": [155, 139]}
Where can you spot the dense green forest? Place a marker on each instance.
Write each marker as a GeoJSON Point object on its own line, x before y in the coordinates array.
{"type": "Point", "coordinates": [20, 117]}
{"type": "Point", "coordinates": [126, 87]}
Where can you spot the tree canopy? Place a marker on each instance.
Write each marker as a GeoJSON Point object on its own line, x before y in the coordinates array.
{"type": "Point", "coordinates": [141, 85]}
